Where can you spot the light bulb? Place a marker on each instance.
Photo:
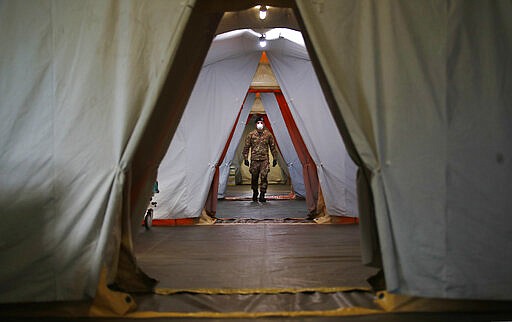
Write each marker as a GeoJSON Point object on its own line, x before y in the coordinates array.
{"type": "Point", "coordinates": [263, 12]}
{"type": "Point", "coordinates": [263, 41]}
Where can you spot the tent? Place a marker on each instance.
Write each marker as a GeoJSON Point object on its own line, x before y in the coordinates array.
{"type": "Point", "coordinates": [187, 170]}
{"type": "Point", "coordinates": [91, 93]}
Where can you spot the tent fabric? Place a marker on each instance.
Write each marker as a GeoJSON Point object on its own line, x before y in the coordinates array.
{"type": "Point", "coordinates": [310, 175]}
{"type": "Point", "coordinates": [425, 90]}
{"type": "Point", "coordinates": [211, 200]}
{"type": "Point", "coordinates": [71, 113]}
{"type": "Point", "coordinates": [300, 86]}
{"type": "Point", "coordinates": [237, 135]}
{"type": "Point", "coordinates": [92, 91]}
{"type": "Point", "coordinates": [285, 144]}
{"type": "Point", "coordinates": [187, 170]}
{"type": "Point", "coordinates": [213, 194]}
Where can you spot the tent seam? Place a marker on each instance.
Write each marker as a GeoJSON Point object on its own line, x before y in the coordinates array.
{"type": "Point", "coordinates": [446, 166]}
{"type": "Point", "coordinates": [53, 102]}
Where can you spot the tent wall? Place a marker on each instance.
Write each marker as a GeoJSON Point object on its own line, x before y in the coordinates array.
{"type": "Point", "coordinates": [310, 175]}
{"type": "Point", "coordinates": [425, 90]}
{"type": "Point", "coordinates": [79, 81]}
{"type": "Point", "coordinates": [285, 143]}
{"type": "Point", "coordinates": [237, 135]}
{"type": "Point", "coordinates": [187, 170]}
{"type": "Point", "coordinates": [298, 81]}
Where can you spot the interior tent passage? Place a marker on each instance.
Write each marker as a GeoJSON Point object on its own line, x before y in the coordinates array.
{"type": "Point", "coordinates": [89, 102]}
{"type": "Point", "coordinates": [279, 175]}
{"type": "Point", "coordinates": [187, 170]}
{"type": "Point", "coordinates": [276, 124]}
{"type": "Point", "coordinates": [286, 148]}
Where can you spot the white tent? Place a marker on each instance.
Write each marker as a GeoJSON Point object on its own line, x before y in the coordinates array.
{"type": "Point", "coordinates": [187, 170]}
{"type": "Point", "coordinates": [91, 93]}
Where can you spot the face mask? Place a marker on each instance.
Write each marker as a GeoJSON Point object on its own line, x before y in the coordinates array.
{"type": "Point", "coordinates": [259, 126]}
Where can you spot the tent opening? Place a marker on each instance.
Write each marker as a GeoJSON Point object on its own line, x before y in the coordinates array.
{"type": "Point", "coordinates": [220, 94]}
{"type": "Point", "coordinates": [237, 184]}
{"type": "Point", "coordinates": [227, 90]}
{"type": "Point", "coordinates": [237, 81]}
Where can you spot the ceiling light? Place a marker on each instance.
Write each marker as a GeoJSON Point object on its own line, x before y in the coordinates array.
{"type": "Point", "coordinates": [263, 12]}
{"type": "Point", "coordinates": [263, 41]}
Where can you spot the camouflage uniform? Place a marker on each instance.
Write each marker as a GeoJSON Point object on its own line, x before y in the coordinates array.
{"type": "Point", "coordinates": [259, 142]}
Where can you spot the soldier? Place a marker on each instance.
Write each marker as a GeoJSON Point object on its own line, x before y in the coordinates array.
{"type": "Point", "coordinates": [259, 140]}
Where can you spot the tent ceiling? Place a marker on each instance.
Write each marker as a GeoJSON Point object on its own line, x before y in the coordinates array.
{"type": "Point", "coordinates": [249, 19]}
{"type": "Point", "coordinates": [264, 76]}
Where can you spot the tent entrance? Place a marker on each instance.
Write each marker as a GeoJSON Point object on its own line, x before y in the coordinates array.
{"type": "Point", "coordinates": [213, 255]}
{"type": "Point", "coordinates": [286, 203]}
{"type": "Point", "coordinates": [235, 178]}
{"type": "Point", "coordinates": [194, 172]}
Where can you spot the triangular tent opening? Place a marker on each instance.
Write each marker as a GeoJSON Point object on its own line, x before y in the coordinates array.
{"type": "Point", "coordinates": [240, 175]}
{"type": "Point", "coordinates": [186, 173]}
{"type": "Point", "coordinates": [287, 172]}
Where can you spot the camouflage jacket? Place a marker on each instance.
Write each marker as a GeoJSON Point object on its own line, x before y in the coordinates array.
{"type": "Point", "coordinates": [259, 142]}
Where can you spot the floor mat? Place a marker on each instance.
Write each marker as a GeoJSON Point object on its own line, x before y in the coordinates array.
{"type": "Point", "coordinates": [263, 221]}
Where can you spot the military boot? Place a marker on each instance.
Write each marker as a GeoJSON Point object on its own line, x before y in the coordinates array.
{"type": "Point", "coordinates": [255, 195]}
{"type": "Point", "coordinates": [262, 197]}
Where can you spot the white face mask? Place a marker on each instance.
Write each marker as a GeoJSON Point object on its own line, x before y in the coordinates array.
{"type": "Point", "coordinates": [259, 126]}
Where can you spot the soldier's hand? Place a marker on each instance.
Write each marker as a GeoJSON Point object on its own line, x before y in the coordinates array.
{"type": "Point", "coordinates": [274, 163]}
{"type": "Point", "coordinates": [246, 162]}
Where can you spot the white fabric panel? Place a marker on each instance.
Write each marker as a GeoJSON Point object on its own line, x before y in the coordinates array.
{"type": "Point", "coordinates": [237, 135]}
{"type": "Point", "coordinates": [285, 143]}
{"type": "Point", "coordinates": [74, 86]}
{"type": "Point", "coordinates": [425, 90]}
{"type": "Point", "coordinates": [300, 86]}
{"type": "Point", "coordinates": [187, 170]}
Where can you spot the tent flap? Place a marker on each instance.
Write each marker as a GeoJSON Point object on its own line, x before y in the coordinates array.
{"type": "Point", "coordinates": [310, 112]}
{"type": "Point", "coordinates": [187, 170]}
{"type": "Point", "coordinates": [425, 92]}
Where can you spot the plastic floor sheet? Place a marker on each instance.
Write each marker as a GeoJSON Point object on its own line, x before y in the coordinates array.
{"type": "Point", "coordinates": [254, 257]}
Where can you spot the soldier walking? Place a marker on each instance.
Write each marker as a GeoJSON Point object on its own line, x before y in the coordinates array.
{"type": "Point", "coordinates": [259, 141]}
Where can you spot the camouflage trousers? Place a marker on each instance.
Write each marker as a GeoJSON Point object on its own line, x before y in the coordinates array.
{"type": "Point", "coordinates": [259, 169]}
